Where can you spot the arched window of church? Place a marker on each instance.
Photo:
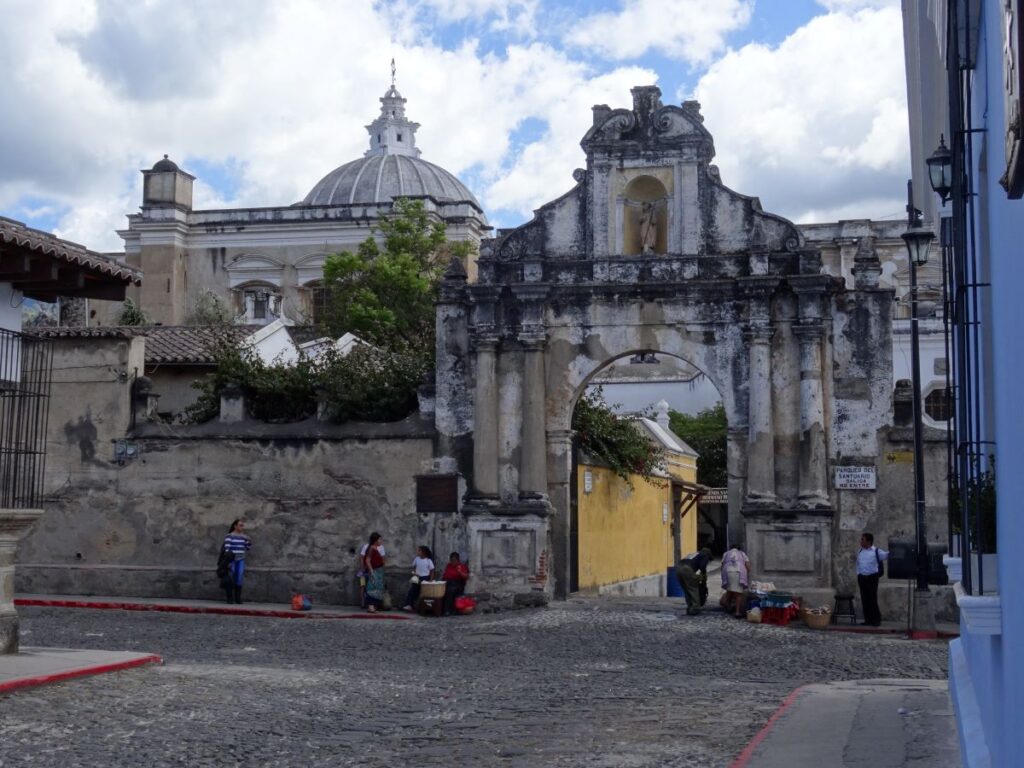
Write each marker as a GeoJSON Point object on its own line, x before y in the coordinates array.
{"type": "Point", "coordinates": [258, 303]}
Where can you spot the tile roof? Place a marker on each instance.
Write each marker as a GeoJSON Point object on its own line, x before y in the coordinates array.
{"type": "Point", "coordinates": [165, 344]}
{"type": "Point", "coordinates": [16, 233]}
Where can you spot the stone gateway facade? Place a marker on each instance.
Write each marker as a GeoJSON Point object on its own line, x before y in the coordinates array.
{"type": "Point", "coordinates": [651, 252]}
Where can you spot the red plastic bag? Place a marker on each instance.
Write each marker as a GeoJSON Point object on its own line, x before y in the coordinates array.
{"type": "Point", "coordinates": [301, 603]}
{"type": "Point", "coordinates": [465, 605]}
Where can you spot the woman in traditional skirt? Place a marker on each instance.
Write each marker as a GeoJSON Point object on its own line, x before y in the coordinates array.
{"type": "Point", "coordinates": [373, 565]}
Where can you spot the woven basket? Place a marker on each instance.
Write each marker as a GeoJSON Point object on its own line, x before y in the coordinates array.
{"type": "Point", "coordinates": [816, 620]}
{"type": "Point", "coordinates": [432, 589]}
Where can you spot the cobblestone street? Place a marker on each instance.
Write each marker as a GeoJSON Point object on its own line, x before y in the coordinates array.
{"type": "Point", "coordinates": [614, 683]}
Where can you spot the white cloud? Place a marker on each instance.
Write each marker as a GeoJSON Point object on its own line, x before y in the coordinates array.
{"type": "Point", "coordinates": [504, 15]}
{"type": "Point", "coordinates": [284, 98]}
{"type": "Point", "coordinates": [849, 6]}
{"type": "Point", "coordinates": [688, 30]}
{"type": "Point", "coordinates": [817, 127]}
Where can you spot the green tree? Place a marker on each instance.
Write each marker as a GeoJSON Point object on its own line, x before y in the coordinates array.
{"type": "Point", "coordinates": [706, 434]}
{"type": "Point", "coordinates": [385, 295]}
{"type": "Point", "coordinates": [131, 314]}
{"type": "Point", "coordinates": [209, 309]}
{"type": "Point", "coordinates": [615, 440]}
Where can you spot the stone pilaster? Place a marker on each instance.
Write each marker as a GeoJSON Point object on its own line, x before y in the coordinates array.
{"type": "Point", "coordinates": [533, 453]}
{"type": "Point", "coordinates": [14, 523]}
{"type": "Point", "coordinates": [813, 492]}
{"type": "Point", "coordinates": [485, 435]}
{"type": "Point", "coordinates": [560, 459]}
{"type": "Point", "coordinates": [761, 434]}
{"type": "Point", "coordinates": [760, 419]}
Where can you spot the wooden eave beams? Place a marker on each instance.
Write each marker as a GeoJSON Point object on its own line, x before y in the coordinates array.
{"type": "Point", "coordinates": [45, 278]}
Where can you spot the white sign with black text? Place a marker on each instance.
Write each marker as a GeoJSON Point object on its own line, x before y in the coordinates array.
{"type": "Point", "coordinates": [855, 478]}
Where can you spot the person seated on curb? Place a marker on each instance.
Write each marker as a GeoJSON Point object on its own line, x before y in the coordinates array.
{"type": "Point", "coordinates": [455, 576]}
{"type": "Point", "coordinates": [422, 570]}
{"type": "Point", "coordinates": [687, 571]}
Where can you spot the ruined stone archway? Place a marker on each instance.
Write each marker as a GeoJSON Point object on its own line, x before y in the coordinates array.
{"type": "Point", "coordinates": [801, 361]}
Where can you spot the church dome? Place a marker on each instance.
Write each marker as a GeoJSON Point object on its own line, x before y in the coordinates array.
{"type": "Point", "coordinates": [391, 167]}
{"type": "Point", "coordinates": [380, 178]}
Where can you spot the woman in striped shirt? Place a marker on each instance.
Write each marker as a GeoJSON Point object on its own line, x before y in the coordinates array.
{"type": "Point", "coordinates": [237, 544]}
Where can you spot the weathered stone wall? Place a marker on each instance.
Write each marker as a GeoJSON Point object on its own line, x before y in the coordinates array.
{"type": "Point", "coordinates": [141, 509]}
{"type": "Point", "coordinates": [152, 526]}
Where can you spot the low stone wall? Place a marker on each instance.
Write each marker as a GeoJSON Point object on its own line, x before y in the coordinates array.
{"type": "Point", "coordinates": [150, 524]}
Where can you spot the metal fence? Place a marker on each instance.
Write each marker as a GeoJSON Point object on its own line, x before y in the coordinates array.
{"type": "Point", "coordinates": [26, 364]}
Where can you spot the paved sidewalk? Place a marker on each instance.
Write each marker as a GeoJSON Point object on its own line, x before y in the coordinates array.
{"type": "Point", "coordinates": [39, 666]}
{"type": "Point", "coordinates": [167, 605]}
{"type": "Point", "coordinates": [859, 724]}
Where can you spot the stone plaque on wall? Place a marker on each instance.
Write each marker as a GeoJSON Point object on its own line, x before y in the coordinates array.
{"type": "Point", "coordinates": [506, 550]}
{"type": "Point", "coordinates": [790, 551]}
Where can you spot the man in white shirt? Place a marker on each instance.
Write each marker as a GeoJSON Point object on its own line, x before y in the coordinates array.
{"type": "Point", "coordinates": [869, 570]}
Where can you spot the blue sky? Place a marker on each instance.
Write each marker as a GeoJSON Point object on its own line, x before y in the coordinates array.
{"type": "Point", "coordinates": [261, 98]}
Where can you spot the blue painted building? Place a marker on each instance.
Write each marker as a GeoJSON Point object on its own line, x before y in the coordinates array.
{"type": "Point", "coordinates": [965, 83]}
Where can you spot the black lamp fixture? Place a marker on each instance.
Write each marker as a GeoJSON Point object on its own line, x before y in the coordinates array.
{"type": "Point", "coordinates": [918, 238]}
{"type": "Point", "coordinates": [940, 170]}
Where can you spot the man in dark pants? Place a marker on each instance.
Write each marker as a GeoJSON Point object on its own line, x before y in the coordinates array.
{"type": "Point", "coordinates": [869, 570]}
{"type": "Point", "coordinates": [687, 570]}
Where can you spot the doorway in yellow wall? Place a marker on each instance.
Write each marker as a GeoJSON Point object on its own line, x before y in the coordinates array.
{"type": "Point", "coordinates": [629, 522]}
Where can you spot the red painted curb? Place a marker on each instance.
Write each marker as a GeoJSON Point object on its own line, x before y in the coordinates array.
{"type": "Point", "coordinates": [744, 757]}
{"type": "Point", "coordinates": [212, 609]}
{"type": "Point", "coordinates": [70, 674]}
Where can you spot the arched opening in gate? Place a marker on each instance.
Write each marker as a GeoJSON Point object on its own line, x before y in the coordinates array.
{"type": "Point", "coordinates": [649, 442]}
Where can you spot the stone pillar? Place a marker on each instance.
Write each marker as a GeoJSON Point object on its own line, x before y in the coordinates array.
{"type": "Point", "coordinates": [736, 468]}
{"type": "Point", "coordinates": [485, 417]}
{"type": "Point", "coordinates": [761, 435]}
{"type": "Point", "coordinates": [533, 451]}
{"type": "Point", "coordinates": [758, 290]}
{"type": "Point", "coordinates": [144, 400]}
{"type": "Point", "coordinates": [560, 457]}
{"type": "Point", "coordinates": [14, 524]}
{"type": "Point", "coordinates": [232, 404]}
{"type": "Point", "coordinates": [813, 490]}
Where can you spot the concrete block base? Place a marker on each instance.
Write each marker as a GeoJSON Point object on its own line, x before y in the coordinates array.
{"type": "Point", "coordinates": [644, 586]}
{"type": "Point", "coordinates": [8, 634]}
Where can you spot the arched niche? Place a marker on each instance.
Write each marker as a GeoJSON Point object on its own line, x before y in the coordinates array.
{"type": "Point", "coordinates": [644, 217]}
{"type": "Point", "coordinates": [252, 268]}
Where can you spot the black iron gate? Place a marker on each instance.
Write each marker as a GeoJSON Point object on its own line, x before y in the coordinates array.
{"type": "Point", "coordinates": [26, 364]}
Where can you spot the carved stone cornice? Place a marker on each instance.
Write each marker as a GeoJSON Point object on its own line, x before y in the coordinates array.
{"type": "Point", "coordinates": [809, 330]}
{"type": "Point", "coordinates": [758, 286]}
{"type": "Point", "coordinates": [485, 340]}
{"type": "Point", "coordinates": [758, 333]}
{"type": "Point", "coordinates": [532, 340]}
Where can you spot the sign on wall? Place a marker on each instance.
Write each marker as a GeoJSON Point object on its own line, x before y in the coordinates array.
{"type": "Point", "coordinates": [855, 478]}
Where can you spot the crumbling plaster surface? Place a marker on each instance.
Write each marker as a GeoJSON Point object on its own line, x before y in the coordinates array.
{"type": "Point", "coordinates": [796, 337]}
{"type": "Point", "coordinates": [150, 524]}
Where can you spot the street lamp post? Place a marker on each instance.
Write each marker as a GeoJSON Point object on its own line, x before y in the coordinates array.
{"type": "Point", "coordinates": [917, 239]}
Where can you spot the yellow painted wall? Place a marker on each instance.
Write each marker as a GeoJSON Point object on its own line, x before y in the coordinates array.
{"type": "Point", "coordinates": [623, 533]}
